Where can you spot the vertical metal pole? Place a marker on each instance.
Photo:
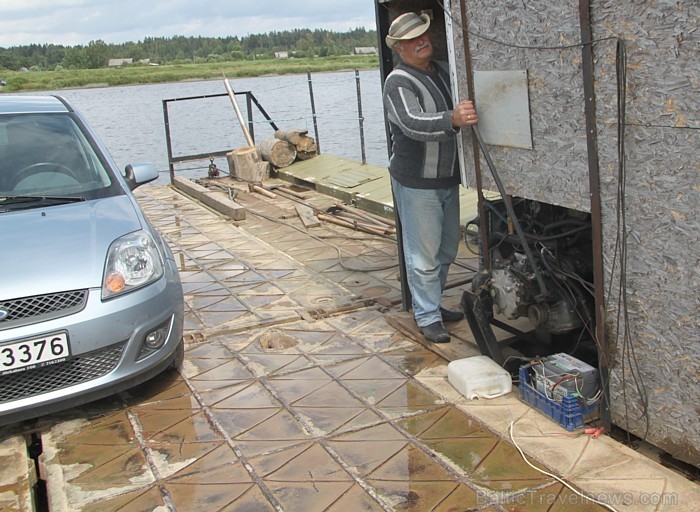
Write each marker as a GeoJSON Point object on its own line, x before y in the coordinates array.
{"type": "Point", "coordinates": [386, 59]}
{"type": "Point", "coordinates": [360, 118]}
{"type": "Point", "coordinates": [386, 65]}
{"type": "Point", "coordinates": [587, 65]}
{"type": "Point", "coordinates": [249, 106]}
{"type": "Point", "coordinates": [168, 142]}
{"type": "Point", "coordinates": [486, 254]}
{"type": "Point", "coordinates": [313, 111]}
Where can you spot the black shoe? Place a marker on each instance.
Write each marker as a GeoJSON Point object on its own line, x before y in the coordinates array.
{"type": "Point", "coordinates": [435, 332]}
{"type": "Point", "coordinates": [451, 315]}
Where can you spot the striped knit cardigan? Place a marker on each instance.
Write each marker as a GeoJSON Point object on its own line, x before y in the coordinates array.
{"type": "Point", "coordinates": [418, 106]}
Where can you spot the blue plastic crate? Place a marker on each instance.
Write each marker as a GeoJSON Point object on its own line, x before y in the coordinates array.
{"type": "Point", "coordinates": [569, 413]}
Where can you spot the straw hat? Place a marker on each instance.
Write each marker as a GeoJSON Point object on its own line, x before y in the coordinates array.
{"type": "Point", "coordinates": [407, 26]}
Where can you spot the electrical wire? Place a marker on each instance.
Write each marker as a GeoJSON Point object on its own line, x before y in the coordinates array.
{"type": "Point", "coordinates": [325, 241]}
{"type": "Point", "coordinates": [551, 475]}
{"type": "Point", "coordinates": [629, 357]}
{"type": "Point", "coordinates": [341, 262]}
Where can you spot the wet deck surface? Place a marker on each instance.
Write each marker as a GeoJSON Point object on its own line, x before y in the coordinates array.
{"type": "Point", "coordinates": [297, 394]}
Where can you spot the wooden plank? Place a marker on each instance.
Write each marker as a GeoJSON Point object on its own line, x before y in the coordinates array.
{"type": "Point", "coordinates": [307, 216]}
{"type": "Point", "coordinates": [213, 199]}
{"type": "Point", "coordinates": [455, 349]}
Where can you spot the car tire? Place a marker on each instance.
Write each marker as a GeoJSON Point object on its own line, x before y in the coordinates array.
{"type": "Point", "coordinates": [179, 356]}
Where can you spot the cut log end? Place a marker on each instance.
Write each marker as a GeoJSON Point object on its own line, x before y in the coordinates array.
{"type": "Point", "coordinates": [280, 153]}
{"type": "Point", "coordinates": [246, 164]}
{"type": "Point", "coordinates": [302, 142]}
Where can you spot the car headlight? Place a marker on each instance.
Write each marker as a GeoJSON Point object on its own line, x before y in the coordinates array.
{"type": "Point", "coordinates": [133, 261]}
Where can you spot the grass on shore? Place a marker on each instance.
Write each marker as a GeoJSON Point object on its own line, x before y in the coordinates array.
{"type": "Point", "coordinates": [140, 74]}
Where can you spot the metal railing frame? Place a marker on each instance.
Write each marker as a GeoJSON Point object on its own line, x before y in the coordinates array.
{"type": "Point", "coordinates": [250, 100]}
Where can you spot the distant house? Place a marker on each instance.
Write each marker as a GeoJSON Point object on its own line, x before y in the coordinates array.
{"type": "Point", "coordinates": [365, 50]}
{"type": "Point", "coordinates": [281, 55]}
{"type": "Point", "coordinates": [113, 63]}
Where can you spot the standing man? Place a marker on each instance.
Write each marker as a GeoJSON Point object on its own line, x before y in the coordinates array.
{"type": "Point", "coordinates": [424, 168]}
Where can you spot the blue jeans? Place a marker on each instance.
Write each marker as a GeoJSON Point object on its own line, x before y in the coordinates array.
{"type": "Point", "coordinates": [431, 233]}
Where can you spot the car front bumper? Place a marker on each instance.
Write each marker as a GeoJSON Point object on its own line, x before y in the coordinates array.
{"type": "Point", "coordinates": [105, 342]}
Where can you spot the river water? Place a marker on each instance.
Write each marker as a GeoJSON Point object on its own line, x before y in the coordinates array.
{"type": "Point", "coordinates": [130, 119]}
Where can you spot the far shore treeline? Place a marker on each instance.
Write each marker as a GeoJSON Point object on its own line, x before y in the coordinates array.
{"type": "Point", "coordinates": [301, 43]}
{"type": "Point", "coordinates": [37, 67]}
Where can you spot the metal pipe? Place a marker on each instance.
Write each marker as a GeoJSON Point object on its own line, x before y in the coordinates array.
{"type": "Point", "coordinates": [386, 65]}
{"type": "Point", "coordinates": [359, 116]}
{"type": "Point", "coordinates": [263, 111]}
{"type": "Point", "coordinates": [366, 215]}
{"type": "Point", "coordinates": [249, 107]}
{"type": "Point", "coordinates": [168, 141]}
{"type": "Point", "coordinates": [587, 65]}
{"type": "Point", "coordinates": [241, 121]}
{"type": "Point", "coordinates": [511, 212]}
{"type": "Point", "coordinates": [486, 258]}
{"type": "Point", "coordinates": [313, 111]}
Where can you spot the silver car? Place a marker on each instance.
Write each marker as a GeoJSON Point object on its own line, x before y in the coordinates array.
{"type": "Point", "coordinates": [90, 298]}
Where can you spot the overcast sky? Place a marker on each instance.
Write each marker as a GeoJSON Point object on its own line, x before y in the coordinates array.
{"type": "Point", "coordinates": [74, 22]}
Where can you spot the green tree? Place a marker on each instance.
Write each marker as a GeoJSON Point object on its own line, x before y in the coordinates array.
{"type": "Point", "coordinates": [132, 50]}
{"type": "Point", "coordinates": [54, 55]}
{"type": "Point", "coordinates": [75, 58]}
{"type": "Point", "coordinates": [8, 60]}
{"type": "Point", "coordinates": [305, 46]}
{"type": "Point", "coordinates": [96, 54]}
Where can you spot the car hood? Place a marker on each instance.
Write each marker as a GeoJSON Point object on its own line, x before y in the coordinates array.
{"type": "Point", "coordinates": [63, 247]}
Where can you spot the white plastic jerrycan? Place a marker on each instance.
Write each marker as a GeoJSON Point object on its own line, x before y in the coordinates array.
{"type": "Point", "coordinates": [479, 377]}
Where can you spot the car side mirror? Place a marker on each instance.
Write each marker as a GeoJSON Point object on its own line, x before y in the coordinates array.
{"type": "Point", "coordinates": [140, 174]}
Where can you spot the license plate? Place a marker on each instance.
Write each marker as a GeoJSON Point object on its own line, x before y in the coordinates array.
{"type": "Point", "coordinates": [34, 353]}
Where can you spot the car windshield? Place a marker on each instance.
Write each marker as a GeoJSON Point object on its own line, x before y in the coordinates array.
{"type": "Point", "coordinates": [48, 155]}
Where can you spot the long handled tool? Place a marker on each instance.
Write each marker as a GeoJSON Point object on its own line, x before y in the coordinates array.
{"type": "Point", "coordinates": [511, 211]}
{"type": "Point", "coordinates": [231, 95]}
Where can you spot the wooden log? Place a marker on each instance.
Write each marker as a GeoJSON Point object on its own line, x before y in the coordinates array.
{"type": "Point", "coordinates": [280, 153]}
{"type": "Point", "coordinates": [306, 155]}
{"type": "Point", "coordinates": [244, 164]}
{"type": "Point", "coordinates": [263, 170]}
{"type": "Point", "coordinates": [306, 146]}
{"type": "Point", "coordinates": [294, 136]}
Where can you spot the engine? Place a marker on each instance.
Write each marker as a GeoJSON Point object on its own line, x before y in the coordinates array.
{"type": "Point", "coordinates": [551, 283]}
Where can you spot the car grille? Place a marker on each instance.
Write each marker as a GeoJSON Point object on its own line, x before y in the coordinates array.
{"type": "Point", "coordinates": [40, 308]}
{"type": "Point", "coordinates": [83, 368]}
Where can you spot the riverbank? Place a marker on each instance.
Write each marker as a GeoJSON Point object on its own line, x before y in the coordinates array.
{"type": "Point", "coordinates": [30, 81]}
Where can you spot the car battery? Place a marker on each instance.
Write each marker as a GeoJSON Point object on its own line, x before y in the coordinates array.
{"type": "Point", "coordinates": [561, 375]}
